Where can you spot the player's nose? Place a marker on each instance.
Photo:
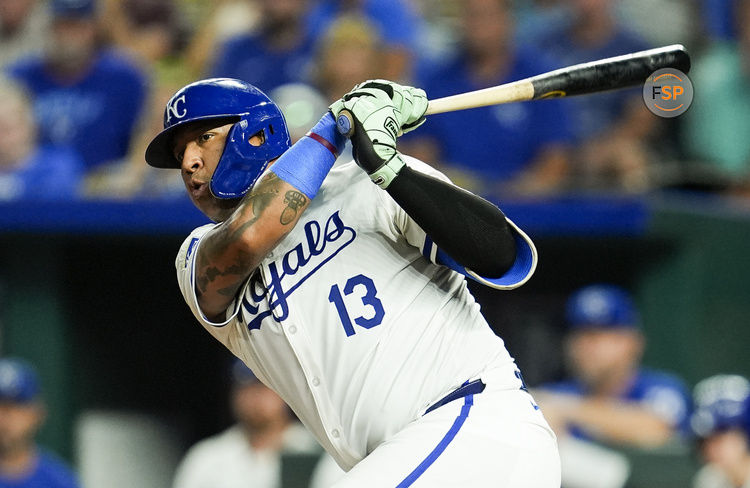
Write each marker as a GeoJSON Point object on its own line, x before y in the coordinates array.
{"type": "Point", "coordinates": [192, 159]}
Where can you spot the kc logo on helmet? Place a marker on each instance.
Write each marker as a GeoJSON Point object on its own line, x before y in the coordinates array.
{"type": "Point", "coordinates": [174, 108]}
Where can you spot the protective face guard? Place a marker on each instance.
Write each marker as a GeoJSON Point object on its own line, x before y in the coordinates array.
{"type": "Point", "coordinates": [242, 163]}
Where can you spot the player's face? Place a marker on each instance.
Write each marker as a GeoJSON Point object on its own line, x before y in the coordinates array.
{"type": "Point", "coordinates": [602, 357]}
{"type": "Point", "coordinates": [73, 41]}
{"type": "Point", "coordinates": [198, 147]}
{"type": "Point", "coordinates": [486, 25]}
{"type": "Point", "coordinates": [256, 406]}
{"type": "Point", "coordinates": [18, 424]}
{"type": "Point", "coordinates": [726, 449]}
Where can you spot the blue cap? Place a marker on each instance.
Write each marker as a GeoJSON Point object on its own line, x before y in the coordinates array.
{"type": "Point", "coordinates": [601, 306]}
{"type": "Point", "coordinates": [73, 8]}
{"type": "Point", "coordinates": [18, 382]}
{"type": "Point", "coordinates": [242, 375]}
{"type": "Point", "coordinates": [721, 402]}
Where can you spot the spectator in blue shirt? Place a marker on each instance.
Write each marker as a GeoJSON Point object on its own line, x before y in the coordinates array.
{"type": "Point", "coordinates": [27, 170]}
{"type": "Point", "coordinates": [611, 128]}
{"type": "Point", "coordinates": [23, 464]}
{"type": "Point", "coordinates": [84, 97]}
{"type": "Point", "coordinates": [610, 397]}
{"type": "Point", "coordinates": [519, 147]}
{"type": "Point", "coordinates": [277, 52]}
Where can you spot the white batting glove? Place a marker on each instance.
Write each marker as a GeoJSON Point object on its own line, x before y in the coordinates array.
{"type": "Point", "coordinates": [374, 129]}
{"type": "Point", "coordinates": [409, 103]}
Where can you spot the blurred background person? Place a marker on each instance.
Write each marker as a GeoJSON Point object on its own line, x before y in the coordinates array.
{"type": "Point", "coordinates": [537, 17]}
{"type": "Point", "coordinates": [721, 423]}
{"type": "Point", "coordinates": [612, 129]}
{"type": "Point", "coordinates": [347, 54]}
{"type": "Point", "coordinates": [213, 23]}
{"type": "Point", "coordinates": [154, 33]}
{"type": "Point", "coordinates": [396, 22]}
{"type": "Point", "coordinates": [275, 52]}
{"type": "Point", "coordinates": [23, 24]}
{"type": "Point", "coordinates": [609, 398]}
{"type": "Point", "coordinates": [85, 96]}
{"type": "Point", "coordinates": [248, 454]}
{"type": "Point", "coordinates": [714, 127]}
{"type": "Point", "coordinates": [28, 170]}
{"type": "Point", "coordinates": [23, 464]}
{"type": "Point", "coordinates": [301, 105]}
{"type": "Point", "coordinates": [515, 148]}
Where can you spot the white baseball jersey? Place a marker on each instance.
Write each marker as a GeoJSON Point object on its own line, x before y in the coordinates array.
{"type": "Point", "coordinates": [351, 320]}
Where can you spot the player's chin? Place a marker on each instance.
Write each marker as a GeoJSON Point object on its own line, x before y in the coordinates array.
{"type": "Point", "coordinates": [217, 209]}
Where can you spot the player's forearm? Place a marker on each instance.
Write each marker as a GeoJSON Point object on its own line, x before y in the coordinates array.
{"type": "Point", "coordinates": [621, 423]}
{"type": "Point", "coordinates": [470, 229]}
{"type": "Point", "coordinates": [235, 248]}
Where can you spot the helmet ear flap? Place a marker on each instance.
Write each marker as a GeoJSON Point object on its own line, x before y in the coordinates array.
{"type": "Point", "coordinates": [241, 163]}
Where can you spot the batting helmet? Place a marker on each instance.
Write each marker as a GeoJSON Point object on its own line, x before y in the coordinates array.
{"type": "Point", "coordinates": [228, 100]}
{"type": "Point", "coordinates": [721, 402]}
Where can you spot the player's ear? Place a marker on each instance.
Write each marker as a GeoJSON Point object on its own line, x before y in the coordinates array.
{"type": "Point", "coordinates": [257, 139]}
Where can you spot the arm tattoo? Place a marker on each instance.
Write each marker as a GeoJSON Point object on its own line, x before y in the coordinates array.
{"type": "Point", "coordinates": [294, 200]}
{"type": "Point", "coordinates": [257, 202]}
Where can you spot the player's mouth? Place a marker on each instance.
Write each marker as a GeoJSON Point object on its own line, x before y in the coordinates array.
{"type": "Point", "coordinates": [198, 189]}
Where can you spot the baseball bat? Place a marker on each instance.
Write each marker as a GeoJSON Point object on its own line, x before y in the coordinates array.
{"type": "Point", "coordinates": [596, 76]}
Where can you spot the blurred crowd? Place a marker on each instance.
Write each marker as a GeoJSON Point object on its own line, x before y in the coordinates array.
{"type": "Point", "coordinates": [85, 81]}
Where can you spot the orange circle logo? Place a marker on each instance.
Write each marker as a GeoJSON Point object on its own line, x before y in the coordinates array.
{"type": "Point", "coordinates": [668, 92]}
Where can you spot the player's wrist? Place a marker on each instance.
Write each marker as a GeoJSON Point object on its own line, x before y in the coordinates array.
{"type": "Point", "coordinates": [385, 174]}
{"type": "Point", "coordinates": [306, 164]}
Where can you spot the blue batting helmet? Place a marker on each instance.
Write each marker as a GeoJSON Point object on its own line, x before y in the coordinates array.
{"type": "Point", "coordinates": [228, 100]}
{"type": "Point", "coordinates": [721, 402]}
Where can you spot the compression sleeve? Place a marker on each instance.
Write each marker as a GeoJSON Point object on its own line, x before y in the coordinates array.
{"type": "Point", "coordinates": [471, 230]}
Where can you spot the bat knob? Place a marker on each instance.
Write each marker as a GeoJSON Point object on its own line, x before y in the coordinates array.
{"type": "Point", "coordinates": [345, 123]}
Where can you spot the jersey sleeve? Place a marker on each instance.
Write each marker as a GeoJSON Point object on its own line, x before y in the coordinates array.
{"type": "Point", "coordinates": [518, 274]}
{"type": "Point", "coordinates": [185, 266]}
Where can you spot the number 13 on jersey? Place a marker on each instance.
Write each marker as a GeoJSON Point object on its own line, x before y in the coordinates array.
{"type": "Point", "coordinates": [363, 287]}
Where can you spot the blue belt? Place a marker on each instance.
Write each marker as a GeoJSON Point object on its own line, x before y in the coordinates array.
{"type": "Point", "coordinates": [466, 389]}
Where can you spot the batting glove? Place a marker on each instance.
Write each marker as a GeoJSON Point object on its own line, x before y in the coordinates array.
{"type": "Point", "coordinates": [373, 134]}
{"type": "Point", "coordinates": [409, 103]}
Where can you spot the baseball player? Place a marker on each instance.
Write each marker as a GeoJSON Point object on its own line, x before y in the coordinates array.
{"type": "Point", "coordinates": [721, 425]}
{"type": "Point", "coordinates": [349, 298]}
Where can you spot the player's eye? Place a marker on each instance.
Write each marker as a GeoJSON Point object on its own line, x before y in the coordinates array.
{"type": "Point", "coordinates": [205, 136]}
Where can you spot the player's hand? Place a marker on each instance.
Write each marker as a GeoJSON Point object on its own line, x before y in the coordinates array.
{"type": "Point", "coordinates": [375, 129]}
{"type": "Point", "coordinates": [409, 103]}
